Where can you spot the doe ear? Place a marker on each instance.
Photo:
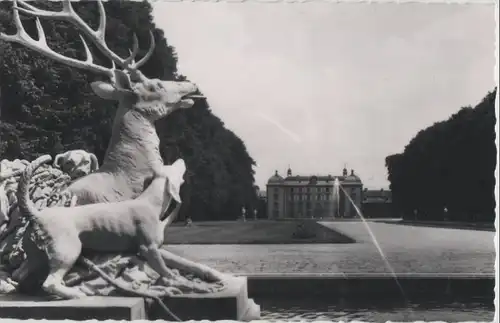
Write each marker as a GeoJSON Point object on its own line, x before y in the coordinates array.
{"type": "Point", "coordinates": [57, 160]}
{"type": "Point", "coordinates": [176, 179]}
{"type": "Point", "coordinates": [94, 163]}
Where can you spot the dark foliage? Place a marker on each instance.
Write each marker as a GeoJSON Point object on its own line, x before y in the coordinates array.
{"type": "Point", "coordinates": [449, 165]}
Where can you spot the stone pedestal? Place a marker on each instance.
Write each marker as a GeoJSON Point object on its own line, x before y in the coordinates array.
{"type": "Point", "coordinates": [230, 304]}
{"type": "Point", "coordinates": [89, 308]}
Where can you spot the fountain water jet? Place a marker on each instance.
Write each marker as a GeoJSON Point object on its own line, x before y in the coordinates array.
{"type": "Point", "coordinates": [336, 196]}
{"type": "Point", "coordinates": [374, 239]}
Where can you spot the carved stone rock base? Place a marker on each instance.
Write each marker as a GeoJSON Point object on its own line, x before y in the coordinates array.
{"type": "Point", "coordinates": [232, 303]}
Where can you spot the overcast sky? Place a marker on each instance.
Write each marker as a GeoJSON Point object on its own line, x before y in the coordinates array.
{"type": "Point", "coordinates": [320, 85]}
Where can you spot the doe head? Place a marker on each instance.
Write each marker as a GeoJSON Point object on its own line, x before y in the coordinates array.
{"type": "Point", "coordinates": [174, 178]}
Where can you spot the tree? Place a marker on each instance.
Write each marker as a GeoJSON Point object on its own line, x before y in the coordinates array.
{"type": "Point", "coordinates": [449, 165]}
{"type": "Point", "coordinates": [220, 170]}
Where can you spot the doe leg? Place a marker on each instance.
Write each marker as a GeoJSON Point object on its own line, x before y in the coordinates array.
{"type": "Point", "coordinates": [63, 255]}
{"type": "Point", "coordinates": [155, 260]}
{"type": "Point", "coordinates": [54, 285]}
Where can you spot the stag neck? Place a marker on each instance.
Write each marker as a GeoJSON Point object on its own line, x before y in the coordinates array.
{"type": "Point", "coordinates": [134, 144]}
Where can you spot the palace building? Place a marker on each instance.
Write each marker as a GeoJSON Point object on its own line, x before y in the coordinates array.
{"type": "Point", "coordinates": [298, 196]}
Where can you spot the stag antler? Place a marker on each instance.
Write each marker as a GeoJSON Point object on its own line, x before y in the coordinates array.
{"type": "Point", "coordinates": [96, 36]}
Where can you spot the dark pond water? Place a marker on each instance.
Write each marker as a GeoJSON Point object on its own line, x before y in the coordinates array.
{"type": "Point", "coordinates": [478, 310]}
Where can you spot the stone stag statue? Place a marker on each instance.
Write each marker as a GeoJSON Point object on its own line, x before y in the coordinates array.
{"type": "Point", "coordinates": [131, 163]}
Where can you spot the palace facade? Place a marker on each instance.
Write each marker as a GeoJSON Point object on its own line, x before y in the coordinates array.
{"type": "Point", "coordinates": [298, 196]}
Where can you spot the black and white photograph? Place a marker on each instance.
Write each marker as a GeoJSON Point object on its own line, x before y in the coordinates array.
{"type": "Point", "coordinates": [260, 160]}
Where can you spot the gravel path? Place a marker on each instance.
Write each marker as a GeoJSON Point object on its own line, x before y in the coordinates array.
{"type": "Point", "coordinates": [407, 249]}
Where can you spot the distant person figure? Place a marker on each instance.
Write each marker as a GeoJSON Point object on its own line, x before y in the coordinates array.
{"type": "Point", "coordinates": [255, 214]}
{"type": "Point", "coordinates": [188, 222]}
{"type": "Point", "coordinates": [243, 214]}
{"type": "Point", "coordinates": [445, 213]}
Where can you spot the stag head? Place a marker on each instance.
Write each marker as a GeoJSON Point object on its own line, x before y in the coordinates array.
{"type": "Point", "coordinates": [153, 98]}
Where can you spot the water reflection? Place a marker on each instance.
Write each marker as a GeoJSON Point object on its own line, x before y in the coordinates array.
{"type": "Point", "coordinates": [297, 310]}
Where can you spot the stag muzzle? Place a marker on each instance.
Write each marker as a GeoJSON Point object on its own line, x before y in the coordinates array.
{"type": "Point", "coordinates": [188, 93]}
{"type": "Point", "coordinates": [188, 90]}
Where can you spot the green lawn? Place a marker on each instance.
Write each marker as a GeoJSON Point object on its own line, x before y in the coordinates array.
{"type": "Point", "coordinates": [253, 232]}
